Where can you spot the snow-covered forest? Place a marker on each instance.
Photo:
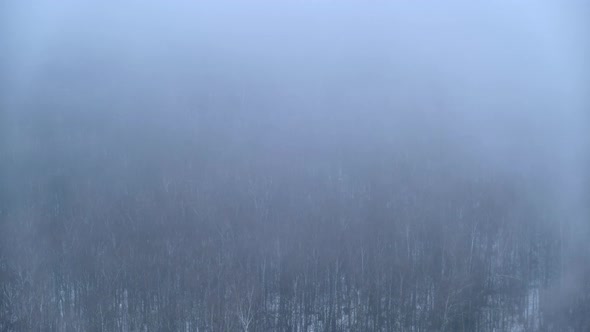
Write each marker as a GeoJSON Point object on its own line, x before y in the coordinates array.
{"type": "Point", "coordinates": [296, 166]}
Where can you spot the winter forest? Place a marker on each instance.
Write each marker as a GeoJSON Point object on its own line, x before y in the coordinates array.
{"type": "Point", "coordinates": [297, 166]}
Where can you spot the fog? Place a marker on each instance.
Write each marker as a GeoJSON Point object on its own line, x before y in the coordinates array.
{"type": "Point", "coordinates": [294, 166]}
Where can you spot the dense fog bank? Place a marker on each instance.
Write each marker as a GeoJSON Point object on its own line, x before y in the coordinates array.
{"type": "Point", "coordinates": [294, 167]}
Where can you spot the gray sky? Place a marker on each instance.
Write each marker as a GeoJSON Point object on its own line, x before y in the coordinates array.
{"type": "Point", "coordinates": [504, 83]}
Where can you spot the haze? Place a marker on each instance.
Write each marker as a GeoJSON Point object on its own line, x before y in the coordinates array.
{"type": "Point", "coordinates": [294, 166]}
